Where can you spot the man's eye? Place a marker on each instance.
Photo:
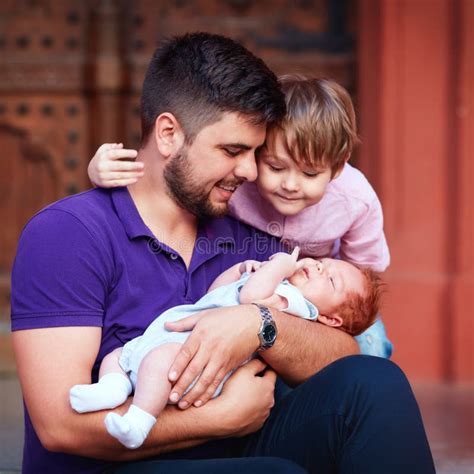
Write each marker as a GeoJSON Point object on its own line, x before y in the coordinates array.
{"type": "Point", "coordinates": [332, 282]}
{"type": "Point", "coordinates": [232, 151]}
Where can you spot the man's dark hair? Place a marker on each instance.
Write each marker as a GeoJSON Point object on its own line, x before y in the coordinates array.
{"type": "Point", "coordinates": [198, 76]}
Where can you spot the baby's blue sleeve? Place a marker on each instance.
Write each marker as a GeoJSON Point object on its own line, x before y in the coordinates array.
{"type": "Point", "coordinates": [298, 305]}
{"type": "Point", "coordinates": [374, 341]}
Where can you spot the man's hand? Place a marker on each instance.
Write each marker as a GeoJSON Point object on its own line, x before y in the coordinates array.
{"type": "Point", "coordinates": [113, 166]}
{"type": "Point", "coordinates": [221, 340]}
{"type": "Point", "coordinates": [246, 400]}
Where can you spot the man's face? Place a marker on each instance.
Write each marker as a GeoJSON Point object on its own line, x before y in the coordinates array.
{"type": "Point", "coordinates": [327, 282]}
{"type": "Point", "coordinates": [202, 177]}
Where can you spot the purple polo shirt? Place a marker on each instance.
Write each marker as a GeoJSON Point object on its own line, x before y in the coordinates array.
{"type": "Point", "coordinates": [90, 260]}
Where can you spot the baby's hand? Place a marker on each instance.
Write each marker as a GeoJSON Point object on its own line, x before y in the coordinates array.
{"type": "Point", "coordinates": [249, 266]}
{"type": "Point", "coordinates": [289, 262]}
{"type": "Point", "coordinates": [112, 166]}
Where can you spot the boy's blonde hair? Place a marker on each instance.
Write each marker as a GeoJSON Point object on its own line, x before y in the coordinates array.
{"type": "Point", "coordinates": [320, 124]}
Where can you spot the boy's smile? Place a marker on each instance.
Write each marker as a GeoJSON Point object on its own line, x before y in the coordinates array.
{"type": "Point", "coordinates": [287, 185]}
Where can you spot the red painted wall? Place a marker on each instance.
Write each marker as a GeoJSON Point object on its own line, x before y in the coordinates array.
{"type": "Point", "coordinates": [416, 111]}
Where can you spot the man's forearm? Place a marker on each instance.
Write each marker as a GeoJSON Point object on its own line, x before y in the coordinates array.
{"type": "Point", "coordinates": [303, 347]}
{"type": "Point", "coordinates": [241, 408]}
{"type": "Point", "coordinates": [46, 389]}
{"type": "Point", "coordinates": [175, 429]}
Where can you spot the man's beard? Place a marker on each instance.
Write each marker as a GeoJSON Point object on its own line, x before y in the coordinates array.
{"type": "Point", "coordinates": [187, 194]}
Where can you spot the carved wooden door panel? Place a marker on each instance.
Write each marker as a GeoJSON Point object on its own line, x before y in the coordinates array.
{"type": "Point", "coordinates": [43, 116]}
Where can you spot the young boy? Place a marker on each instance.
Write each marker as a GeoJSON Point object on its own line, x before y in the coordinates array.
{"type": "Point", "coordinates": [332, 292]}
{"type": "Point", "coordinates": [306, 193]}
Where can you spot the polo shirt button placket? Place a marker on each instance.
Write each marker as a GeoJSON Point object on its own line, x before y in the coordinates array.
{"type": "Point", "coordinates": [173, 256]}
{"type": "Point", "coordinates": [154, 246]}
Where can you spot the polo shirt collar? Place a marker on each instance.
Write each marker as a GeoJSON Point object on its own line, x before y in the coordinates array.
{"type": "Point", "coordinates": [129, 215]}
{"type": "Point", "coordinates": [219, 229]}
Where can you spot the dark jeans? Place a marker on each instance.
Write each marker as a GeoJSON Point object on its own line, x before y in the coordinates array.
{"type": "Point", "coordinates": [358, 415]}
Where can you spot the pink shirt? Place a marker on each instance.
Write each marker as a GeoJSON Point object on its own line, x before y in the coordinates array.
{"type": "Point", "coordinates": [349, 210]}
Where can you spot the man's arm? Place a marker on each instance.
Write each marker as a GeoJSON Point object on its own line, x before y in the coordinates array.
{"type": "Point", "coordinates": [223, 338]}
{"type": "Point", "coordinates": [58, 303]}
{"type": "Point", "coordinates": [241, 409]}
{"type": "Point", "coordinates": [304, 347]}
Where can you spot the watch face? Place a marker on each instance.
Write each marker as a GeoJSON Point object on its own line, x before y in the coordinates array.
{"type": "Point", "coordinates": [269, 333]}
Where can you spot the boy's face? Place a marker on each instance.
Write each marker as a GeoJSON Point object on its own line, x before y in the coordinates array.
{"type": "Point", "coordinates": [286, 185]}
{"type": "Point", "coordinates": [203, 176]}
{"type": "Point", "coordinates": [327, 282]}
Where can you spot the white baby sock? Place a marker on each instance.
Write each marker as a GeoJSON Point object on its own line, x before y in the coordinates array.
{"type": "Point", "coordinates": [109, 392]}
{"type": "Point", "coordinates": [132, 428]}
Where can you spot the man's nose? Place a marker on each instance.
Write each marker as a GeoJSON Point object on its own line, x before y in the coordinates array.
{"type": "Point", "coordinates": [246, 167]}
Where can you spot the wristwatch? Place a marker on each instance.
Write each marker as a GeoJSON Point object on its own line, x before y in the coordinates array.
{"type": "Point", "coordinates": [268, 330]}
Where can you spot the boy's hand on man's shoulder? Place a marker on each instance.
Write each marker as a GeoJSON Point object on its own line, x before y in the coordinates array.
{"type": "Point", "coordinates": [113, 166]}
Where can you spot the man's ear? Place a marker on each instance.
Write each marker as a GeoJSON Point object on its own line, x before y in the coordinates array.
{"type": "Point", "coordinates": [169, 135]}
{"type": "Point", "coordinates": [334, 320]}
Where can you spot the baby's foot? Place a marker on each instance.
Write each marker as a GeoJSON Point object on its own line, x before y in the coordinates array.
{"type": "Point", "coordinates": [132, 428]}
{"type": "Point", "coordinates": [109, 392]}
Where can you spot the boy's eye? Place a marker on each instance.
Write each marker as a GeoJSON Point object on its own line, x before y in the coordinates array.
{"type": "Point", "coordinates": [310, 174]}
{"type": "Point", "coordinates": [275, 168]}
{"type": "Point", "coordinates": [332, 282]}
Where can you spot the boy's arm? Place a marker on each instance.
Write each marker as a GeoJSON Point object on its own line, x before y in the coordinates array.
{"type": "Point", "coordinates": [113, 166]}
{"type": "Point", "coordinates": [364, 244]}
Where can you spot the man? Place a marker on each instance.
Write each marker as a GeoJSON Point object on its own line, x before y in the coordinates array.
{"type": "Point", "coordinates": [93, 270]}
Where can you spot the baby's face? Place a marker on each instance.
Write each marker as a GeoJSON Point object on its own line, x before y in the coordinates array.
{"type": "Point", "coordinates": [288, 186]}
{"type": "Point", "coordinates": [327, 282]}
